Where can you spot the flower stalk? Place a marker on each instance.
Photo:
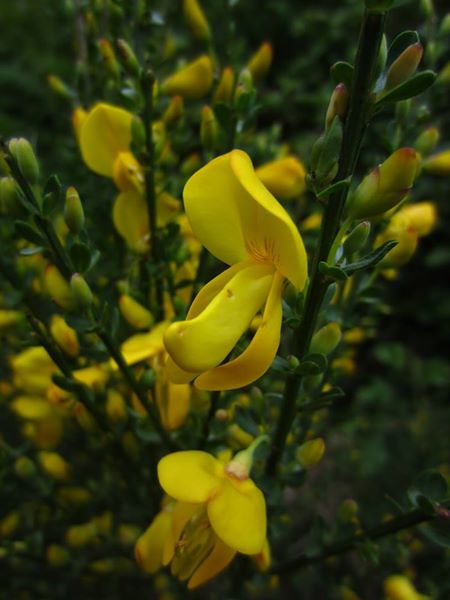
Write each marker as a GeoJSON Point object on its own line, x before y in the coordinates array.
{"type": "Point", "coordinates": [359, 112]}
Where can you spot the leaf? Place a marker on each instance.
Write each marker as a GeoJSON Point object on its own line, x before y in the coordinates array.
{"type": "Point", "coordinates": [335, 187]}
{"type": "Point", "coordinates": [80, 324]}
{"type": "Point", "coordinates": [332, 272]}
{"type": "Point", "coordinates": [438, 532]}
{"type": "Point", "coordinates": [28, 232]}
{"type": "Point", "coordinates": [145, 431]}
{"type": "Point", "coordinates": [51, 194]}
{"type": "Point", "coordinates": [245, 421]}
{"type": "Point", "coordinates": [342, 72]}
{"type": "Point", "coordinates": [410, 88]}
{"type": "Point", "coordinates": [313, 364]}
{"type": "Point", "coordinates": [80, 255]}
{"type": "Point", "coordinates": [332, 394]}
{"type": "Point", "coordinates": [69, 385]}
{"type": "Point", "coordinates": [370, 260]}
{"type": "Point", "coordinates": [401, 42]}
{"type": "Point", "coordinates": [431, 484]}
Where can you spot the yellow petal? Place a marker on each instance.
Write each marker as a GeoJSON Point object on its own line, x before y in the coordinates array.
{"type": "Point", "coordinates": [189, 476]}
{"type": "Point", "coordinates": [203, 342]}
{"type": "Point", "coordinates": [238, 515]}
{"type": "Point", "coordinates": [30, 407]}
{"type": "Point", "coordinates": [94, 377]}
{"type": "Point", "coordinates": [192, 81]}
{"type": "Point", "coordinates": [105, 133]}
{"type": "Point", "coordinates": [283, 177]}
{"type": "Point", "coordinates": [259, 354]}
{"type": "Point", "coordinates": [173, 403]}
{"type": "Point", "coordinates": [143, 346]}
{"type": "Point", "coordinates": [217, 561]}
{"type": "Point", "coordinates": [149, 547]}
{"type": "Point", "coordinates": [237, 218]}
{"type": "Point", "coordinates": [271, 232]}
{"type": "Point", "coordinates": [177, 375]}
{"type": "Point", "coordinates": [181, 514]}
{"type": "Point", "coordinates": [131, 220]}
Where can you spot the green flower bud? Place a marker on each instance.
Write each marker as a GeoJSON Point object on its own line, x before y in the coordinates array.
{"type": "Point", "coordinates": [24, 154]}
{"type": "Point", "coordinates": [127, 57]}
{"type": "Point", "coordinates": [386, 185]}
{"type": "Point", "coordinates": [310, 453]}
{"type": "Point", "coordinates": [357, 238]}
{"type": "Point", "coordinates": [24, 467]}
{"type": "Point", "coordinates": [326, 340]}
{"type": "Point", "coordinates": [81, 290]}
{"type": "Point", "coordinates": [404, 66]}
{"type": "Point", "coordinates": [8, 196]}
{"type": "Point", "coordinates": [73, 211]}
{"type": "Point", "coordinates": [427, 140]}
{"type": "Point", "coordinates": [208, 128]}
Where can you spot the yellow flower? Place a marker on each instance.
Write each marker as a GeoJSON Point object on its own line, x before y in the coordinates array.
{"type": "Point", "coordinates": [219, 512]}
{"type": "Point", "coordinates": [421, 217]}
{"type": "Point", "coordinates": [173, 400]}
{"type": "Point", "coordinates": [240, 222]}
{"type": "Point", "coordinates": [260, 62]}
{"type": "Point", "coordinates": [191, 82]}
{"type": "Point", "coordinates": [284, 177]}
{"type": "Point", "coordinates": [399, 587]}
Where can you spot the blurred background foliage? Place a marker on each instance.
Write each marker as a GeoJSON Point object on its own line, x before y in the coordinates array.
{"type": "Point", "coordinates": [393, 422]}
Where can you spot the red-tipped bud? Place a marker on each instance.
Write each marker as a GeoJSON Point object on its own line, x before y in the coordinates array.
{"type": "Point", "coordinates": [404, 66]}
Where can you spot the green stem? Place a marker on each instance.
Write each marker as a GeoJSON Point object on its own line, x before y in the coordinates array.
{"type": "Point", "coordinates": [148, 81]}
{"type": "Point", "coordinates": [390, 527]}
{"type": "Point", "coordinates": [213, 404]}
{"type": "Point", "coordinates": [355, 124]}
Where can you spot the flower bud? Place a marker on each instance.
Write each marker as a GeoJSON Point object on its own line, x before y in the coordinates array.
{"type": "Point", "coordinates": [338, 104]}
{"type": "Point", "coordinates": [84, 418]}
{"type": "Point", "coordinates": [357, 238]}
{"type": "Point", "coordinates": [9, 196]}
{"type": "Point", "coordinates": [444, 27]}
{"type": "Point", "coordinates": [134, 313]}
{"type": "Point", "coordinates": [9, 523]}
{"type": "Point", "coordinates": [109, 58]}
{"type": "Point", "coordinates": [208, 128]}
{"type": "Point", "coordinates": [310, 453]}
{"type": "Point", "coordinates": [64, 336]}
{"type": "Point", "coordinates": [191, 164]}
{"type": "Point", "coordinates": [404, 66]}
{"type": "Point", "coordinates": [284, 177]}
{"type": "Point", "coordinates": [116, 407]}
{"type": "Point", "coordinates": [192, 81]}
{"type": "Point", "coordinates": [174, 111]}
{"type": "Point", "coordinates": [260, 62]}
{"type": "Point", "coordinates": [24, 154]}
{"type": "Point", "coordinates": [348, 511]}
{"type": "Point", "coordinates": [57, 555]}
{"type": "Point", "coordinates": [81, 291]}
{"type": "Point", "coordinates": [127, 57]}
{"type": "Point", "coordinates": [399, 587]}
{"type": "Point", "coordinates": [73, 211]}
{"type": "Point", "coordinates": [386, 185]}
{"type": "Point", "coordinates": [78, 118]}
{"type": "Point", "coordinates": [244, 84]}
{"type": "Point", "coordinates": [427, 140]}
{"type": "Point", "coordinates": [58, 288]}
{"type": "Point", "coordinates": [438, 164]}
{"type": "Point", "coordinates": [326, 339]}
{"type": "Point", "coordinates": [24, 467]}
{"type": "Point", "coordinates": [196, 20]}
{"type": "Point", "coordinates": [58, 86]}
{"type": "Point", "coordinates": [225, 87]}
{"type": "Point", "coordinates": [81, 535]}
{"type": "Point", "coordinates": [54, 465]}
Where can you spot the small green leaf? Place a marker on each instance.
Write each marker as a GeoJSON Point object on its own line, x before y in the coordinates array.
{"type": "Point", "coordinates": [145, 431]}
{"type": "Point", "coordinates": [332, 394]}
{"type": "Point", "coordinates": [51, 194]}
{"type": "Point", "coordinates": [370, 260]}
{"type": "Point", "coordinates": [80, 255]}
{"type": "Point", "coordinates": [342, 72]}
{"type": "Point", "coordinates": [401, 42]}
{"type": "Point", "coordinates": [80, 324]}
{"type": "Point", "coordinates": [409, 89]}
{"type": "Point", "coordinates": [331, 272]}
{"type": "Point", "coordinates": [245, 421]}
{"type": "Point", "coordinates": [432, 484]}
{"type": "Point", "coordinates": [69, 385]}
{"type": "Point", "coordinates": [28, 232]}
{"type": "Point", "coordinates": [31, 251]}
{"type": "Point", "coordinates": [438, 532]}
{"type": "Point", "coordinates": [335, 187]}
{"type": "Point", "coordinates": [224, 114]}
{"type": "Point", "coordinates": [313, 364]}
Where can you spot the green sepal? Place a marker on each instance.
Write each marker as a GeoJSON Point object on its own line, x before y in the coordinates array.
{"type": "Point", "coordinates": [51, 194]}
{"type": "Point", "coordinates": [332, 273]}
{"type": "Point", "coordinates": [342, 72]}
{"type": "Point", "coordinates": [335, 187]}
{"type": "Point", "coordinates": [402, 41]}
{"type": "Point", "coordinates": [410, 88]}
{"type": "Point", "coordinates": [28, 232]}
{"type": "Point", "coordinates": [312, 364]}
{"type": "Point", "coordinates": [370, 260]}
{"type": "Point", "coordinates": [80, 256]}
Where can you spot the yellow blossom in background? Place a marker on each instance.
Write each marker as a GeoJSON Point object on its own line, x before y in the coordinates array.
{"type": "Point", "coordinates": [399, 587]}
{"type": "Point", "coordinates": [241, 223]}
{"type": "Point", "coordinates": [438, 164]}
{"type": "Point", "coordinates": [64, 336]}
{"type": "Point", "coordinates": [421, 217]}
{"type": "Point", "coordinates": [260, 62]}
{"type": "Point", "coordinates": [193, 81]}
{"type": "Point", "coordinates": [196, 19]}
{"type": "Point", "coordinates": [283, 177]}
{"type": "Point", "coordinates": [8, 318]}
